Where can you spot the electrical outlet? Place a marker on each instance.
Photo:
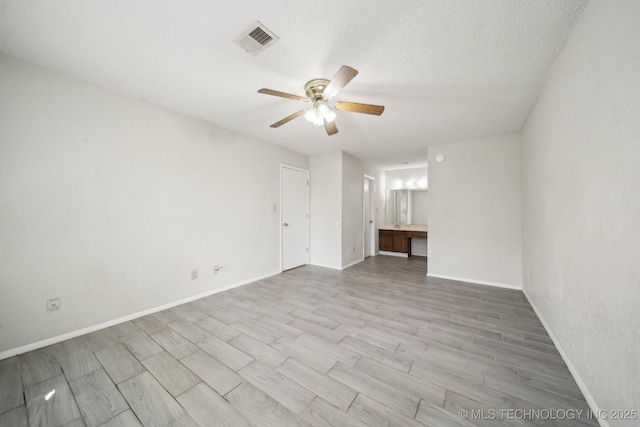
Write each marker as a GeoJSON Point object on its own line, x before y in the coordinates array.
{"type": "Point", "coordinates": [194, 274]}
{"type": "Point", "coordinates": [353, 250]}
{"type": "Point", "coordinates": [53, 304]}
{"type": "Point", "coordinates": [530, 277]}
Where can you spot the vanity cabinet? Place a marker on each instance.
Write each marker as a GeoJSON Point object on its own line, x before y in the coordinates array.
{"type": "Point", "coordinates": [393, 241]}
{"type": "Point", "coordinates": [398, 240]}
{"type": "Point", "coordinates": [385, 237]}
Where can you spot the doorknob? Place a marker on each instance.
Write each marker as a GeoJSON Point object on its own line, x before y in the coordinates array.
{"type": "Point", "coordinates": [370, 222]}
{"type": "Point", "coordinates": [285, 224]}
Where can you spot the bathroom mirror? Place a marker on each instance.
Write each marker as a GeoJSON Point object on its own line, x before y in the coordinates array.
{"type": "Point", "coordinates": [405, 207]}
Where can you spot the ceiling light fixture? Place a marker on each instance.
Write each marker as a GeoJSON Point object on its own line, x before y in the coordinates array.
{"type": "Point", "coordinates": [319, 112]}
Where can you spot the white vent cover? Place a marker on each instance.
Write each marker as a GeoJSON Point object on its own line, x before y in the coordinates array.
{"type": "Point", "coordinates": [256, 39]}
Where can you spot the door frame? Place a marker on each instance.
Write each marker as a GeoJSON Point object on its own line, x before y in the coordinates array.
{"type": "Point", "coordinates": [281, 219]}
{"type": "Point", "coordinates": [372, 187]}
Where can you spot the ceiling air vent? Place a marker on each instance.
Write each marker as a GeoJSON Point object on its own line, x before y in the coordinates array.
{"type": "Point", "coordinates": [256, 39]}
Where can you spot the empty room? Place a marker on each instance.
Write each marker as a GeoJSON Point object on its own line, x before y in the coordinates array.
{"type": "Point", "coordinates": [320, 213]}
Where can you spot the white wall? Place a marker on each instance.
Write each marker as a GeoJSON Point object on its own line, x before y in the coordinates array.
{"type": "Point", "coordinates": [475, 211]}
{"type": "Point", "coordinates": [107, 203]}
{"type": "Point", "coordinates": [337, 194]}
{"type": "Point", "coordinates": [353, 171]}
{"type": "Point", "coordinates": [325, 218]}
{"type": "Point", "coordinates": [397, 178]}
{"type": "Point", "coordinates": [581, 203]}
{"type": "Point", "coordinates": [419, 211]}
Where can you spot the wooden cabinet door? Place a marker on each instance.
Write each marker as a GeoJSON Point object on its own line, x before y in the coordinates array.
{"type": "Point", "coordinates": [386, 240]}
{"type": "Point", "coordinates": [400, 242]}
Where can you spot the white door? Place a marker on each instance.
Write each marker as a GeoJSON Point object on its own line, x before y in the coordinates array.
{"type": "Point", "coordinates": [368, 218]}
{"type": "Point", "coordinates": [295, 218]}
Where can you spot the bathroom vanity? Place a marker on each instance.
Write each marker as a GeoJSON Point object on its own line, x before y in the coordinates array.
{"type": "Point", "coordinates": [397, 239]}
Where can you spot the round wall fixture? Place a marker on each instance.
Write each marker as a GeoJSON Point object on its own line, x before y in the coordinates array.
{"type": "Point", "coordinates": [440, 158]}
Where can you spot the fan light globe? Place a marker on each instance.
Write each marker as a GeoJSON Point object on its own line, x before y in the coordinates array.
{"type": "Point", "coordinates": [320, 112]}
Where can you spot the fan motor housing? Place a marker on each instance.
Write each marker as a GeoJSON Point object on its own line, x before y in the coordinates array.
{"type": "Point", "coordinates": [315, 88]}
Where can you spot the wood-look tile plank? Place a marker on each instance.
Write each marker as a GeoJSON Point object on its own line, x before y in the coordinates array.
{"type": "Point", "coordinates": [405, 383]}
{"type": "Point", "coordinates": [142, 347]}
{"type": "Point", "coordinates": [76, 359]}
{"type": "Point", "coordinates": [531, 393]}
{"type": "Point", "coordinates": [310, 357]}
{"type": "Point", "coordinates": [375, 352]}
{"type": "Point", "coordinates": [189, 330]}
{"type": "Point", "coordinates": [321, 413]}
{"type": "Point", "coordinates": [262, 409]}
{"type": "Point", "coordinates": [466, 366]}
{"type": "Point", "coordinates": [471, 389]}
{"type": "Point", "coordinates": [51, 403]}
{"type": "Point", "coordinates": [119, 363]}
{"type": "Point", "coordinates": [317, 330]}
{"type": "Point", "coordinates": [16, 417]}
{"type": "Point", "coordinates": [150, 324]}
{"type": "Point", "coordinates": [375, 389]}
{"type": "Point", "coordinates": [210, 370]}
{"type": "Point", "coordinates": [289, 393]}
{"type": "Point", "coordinates": [385, 341]}
{"type": "Point", "coordinates": [322, 385]}
{"type": "Point", "coordinates": [78, 422]}
{"type": "Point", "coordinates": [549, 359]}
{"type": "Point", "coordinates": [280, 328]}
{"type": "Point", "coordinates": [561, 385]}
{"type": "Point", "coordinates": [188, 312]}
{"type": "Point", "coordinates": [314, 318]}
{"type": "Point", "coordinates": [210, 409]}
{"type": "Point", "coordinates": [11, 391]}
{"type": "Point", "coordinates": [125, 331]}
{"type": "Point", "coordinates": [125, 419]}
{"type": "Point", "coordinates": [218, 328]}
{"type": "Point", "coordinates": [429, 414]}
{"type": "Point", "coordinates": [39, 365]}
{"type": "Point", "coordinates": [225, 352]}
{"type": "Point", "coordinates": [258, 350]}
{"type": "Point", "coordinates": [255, 331]}
{"type": "Point", "coordinates": [374, 413]}
{"type": "Point", "coordinates": [174, 343]}
{"type": "Point", "coordinates": [332, 351]}
{"type": "Point", "coordinates": [151, 403]}
{"type": "Point", "coordinates": [97, 397]}
{"type": "Point", "coordinates": [173, 375]}
{"type": "Point", "coordinates": [166, 316]}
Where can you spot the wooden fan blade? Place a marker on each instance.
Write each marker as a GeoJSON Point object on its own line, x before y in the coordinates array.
{"type": "Point", "coordinates": [340, 80]}
{"type": "Point", "coordinates": [284, 95]}
{"type": "Point", "coordinates": [354, 107]}
{"type": "Point", "coordinates": [330, 127]}
{"type": "Point", "coordinates": [287, 119]}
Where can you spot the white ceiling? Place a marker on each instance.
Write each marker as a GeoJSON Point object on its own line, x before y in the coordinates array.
{"type": "Point", "coordinates": [445, 70]}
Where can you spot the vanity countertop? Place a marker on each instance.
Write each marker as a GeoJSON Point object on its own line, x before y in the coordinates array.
{"type": "Point", "coordinates": [404, 227]}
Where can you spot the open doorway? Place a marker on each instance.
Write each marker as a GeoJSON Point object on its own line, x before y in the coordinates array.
{"type": "Point", "coordinates": [368, 209]}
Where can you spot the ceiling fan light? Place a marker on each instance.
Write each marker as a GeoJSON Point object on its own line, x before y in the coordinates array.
{"type": "Point", "coordinates": [322, 109]}
{"type": "Point", "coordinates": [330, 116]}
{"type": "Point", "coordinates": [311, 114]}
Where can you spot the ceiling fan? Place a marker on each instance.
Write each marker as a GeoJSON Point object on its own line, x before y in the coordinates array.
{"type": "Point", "coordinates": [319, 93]}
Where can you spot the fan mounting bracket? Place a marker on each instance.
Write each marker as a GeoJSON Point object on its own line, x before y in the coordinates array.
{"type": "Point", "coordinates": [315, 88]}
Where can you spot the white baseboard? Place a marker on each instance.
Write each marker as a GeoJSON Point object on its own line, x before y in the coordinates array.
{"type": "Point", "coordinates": [574, 372]}
{"type": "Point", "coordinates": [398, 254]}
{"type": "Point", "coordinates": [73, 334]}
{"type": "Point", "coordinates": [477, 282]}
{"type": "Point", "coordinates": [353, 263]}
{"type": "Point", "coordinates": [333, 267]}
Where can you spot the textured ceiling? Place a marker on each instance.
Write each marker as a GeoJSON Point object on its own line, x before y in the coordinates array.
{"type": "Point", "coordinates": [446, 70]}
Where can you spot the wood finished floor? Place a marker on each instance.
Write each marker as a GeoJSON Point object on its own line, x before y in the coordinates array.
{"type": "Point", "coordinates": [377, 344]}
